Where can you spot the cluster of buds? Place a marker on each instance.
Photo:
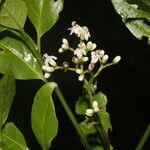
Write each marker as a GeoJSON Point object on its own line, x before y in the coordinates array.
{"type": "Point", "coordinates": [90, 112]}
{"type": "Point", "coordinates": [85, 52]}
{"type": "Point", "coordinates": [49, 65]}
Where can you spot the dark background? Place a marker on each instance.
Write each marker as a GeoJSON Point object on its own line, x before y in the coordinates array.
{"type": "Point", "coordinates": [127, 85]}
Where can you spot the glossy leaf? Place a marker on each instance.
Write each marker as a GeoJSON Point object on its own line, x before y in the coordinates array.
{"type": "Point", "coordinates": [82, 104]}
{"type": "Point", "coordinates": [13, 13]}
{"type": "Point", "coordinates": [12, 138]}
{"type": "Point", "coordinates": [7, 93]}
{"type": "Point", "coordinates": [15, 52]}
{"type": "Point", "coordinates": [44, 121]}
{"type": "Point", "coordinates": [136, 16]}
{"type": "Point", "coordinates": [44, 13]}
{"type": "Point", "coordinates": [104, 115]}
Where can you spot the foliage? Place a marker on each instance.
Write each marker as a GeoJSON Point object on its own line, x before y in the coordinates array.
{"type": "Point", "coordinates": [136, 15]}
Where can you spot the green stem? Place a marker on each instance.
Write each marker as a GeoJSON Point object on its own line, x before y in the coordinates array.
{"type": "Point", "coordinates": [72, 118]}
{"type": "Point", "coordinates": [39, 42]}
{"type": "Point", "coordinates": [144, 138]}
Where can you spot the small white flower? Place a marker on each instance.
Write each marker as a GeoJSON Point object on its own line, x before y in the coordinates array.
{"type": "Point", "coordinates": [101, 53]}
{"type": "Point", "coordinates": [89, 45]}
{"type": "Point", "coordinates": [50, 60]}
{"type": "Point", "coordinates": [81, 32]}
{"type": "Point", "coordinates": [96, 109]}
{"type": "Point", "coordinates": [105, 59]}
{"type": "Point", "coordinates": [95, 104]}
{"type": "Point", "coordinates": [81, 77]}
{"type": "Point", "coordinates": [79, 71]}
{"type": "Point", "coordinates": [116, 59]}
{"type": "Point", "coordinates": [79, 53]}
{"type": "Point", "coordinates": [93, 46]}
{"type": "Point", "coordinates": [89, 112]}
{"type": "Point", "coordinates": [82, 45]}
{"type": "Point", "coordinates": [46, 75]}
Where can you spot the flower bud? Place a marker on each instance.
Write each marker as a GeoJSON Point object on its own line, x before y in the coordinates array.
{"type": "Point", "coordinates": [89, 45]}
{"type": "Point", "coordinates": [91, 66]}
{"type": "Point", "coordinates": [75, 60]}
{"type": "Point", "coordinates": [46, 75]}
{"type": "Point", "coordinates": [65, 41]}
{"type": "Point", "coordinates": [96, 109]}
{"type": "Point", "coordinates": [50, 69]}
{"type": "Point", "coordinates": [93, 46]}
{"type": "Point", "coordinates": [89, 112]}
{"type": "Point", "coordinates": [104, 59]}
{"type": "Point", "coordinates": [116, 59]}
{"type": "Point", "coordinates": [65, 65]}
{"type": "Point", "coordinates": [65, 46]}
{"type": "Point", "coordinates": [79, 71]}
{"type": "Point", "coordinates": [101, 53]}
{"type": "Point", "coordinates": [85, 59]}
{"type": "Point", "coordinates": [44, 67]}
{"type": "Point", "coordinates": [81, 77]}
{"type": "Point", "coordinates": [61, 50]}
{"type": "Point", "coordinates": [95, 104]}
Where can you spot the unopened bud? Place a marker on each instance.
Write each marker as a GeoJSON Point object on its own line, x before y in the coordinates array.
{"type": "Point", "coordinates": [89, 112]}
{"type": "Point", "coordinates": [61, 50]}
{"type": "Point", "coordinates": [93, 46]}
{"type": "Point", "coordinates": [65, 65]}
{"type": "Point", "coordinates": [95, 104]}
{"type": "Point", "coordinates": [101, 53]}
{"type": "Point", "coordinates": [44, 67]}
{"type": "Point", "coordinates": [85, 59]}
{"type": "Point", "coordinates": [75, 60]}
{"type": "Point", "coordinates": [89, 45]}
{"type": "Point", "coordinates": [116, 59]}
{"type": "Point", "coordinates": [105, 59]}
{"type": "Point", "coordinates": [91, 66]}
{"type": "Point", "coordinates": [65, 46]}
{"type": "Point", "coordinates": [96, 109]}
{"type": "Point", "coordinates": [65, 41]}
{"type": "Point", "coordinates": [46, 75]}
{"type": "Point", "coordinates": [81, 77]}
{"type": "Point", "coordinates": [50, 69]}
{"type": "Point", "coordinates": [79, 71]}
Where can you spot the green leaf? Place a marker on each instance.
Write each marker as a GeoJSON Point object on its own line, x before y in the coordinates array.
{"type": "Point", "coordinates": [15, 52]}
{"type": "Point", "coordinates": [136, 15]}
{"type": "Point", "coordinates": [7, 93]}
{"type": "Point", "coordinates": [12, 138]}
{"type": "Point", "coordinates": [104, 115]}
{"type": "Point", "coordinates": [13, 13]}
{"type": "Point", "coordinates": [81, 105]}
{"type": "Point", "coordinates": [44, 13]}
{"type": "Point", "coordinates": [43, 117]}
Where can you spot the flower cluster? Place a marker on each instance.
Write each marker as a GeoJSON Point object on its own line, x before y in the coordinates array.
{"type": "Point", "coordinates": [90, 112]}
{"type": "Point", "coordinates": [85, 52]}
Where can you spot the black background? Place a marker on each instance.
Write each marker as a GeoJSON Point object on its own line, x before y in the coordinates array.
{"type": "Point", "coordinates": [126, 85]}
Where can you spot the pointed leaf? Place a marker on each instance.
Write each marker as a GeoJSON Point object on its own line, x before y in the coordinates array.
{"type": "Point", "coordinates": [7, 93]}
{"type": "Point", "coordinates": [44, 13]}
{"type": "Point", "coordinates": [13, 13]}
{"type": "Point", "coordinates": [104, 115]}
{"type": "Point", "coordinates": [136, 16]}
{"type": "Point", "coordinates": [15, 52]}
{"type": "Point", "coordinates": [12, 138]}
{"type": "Point", "coordinates": [44, 121]}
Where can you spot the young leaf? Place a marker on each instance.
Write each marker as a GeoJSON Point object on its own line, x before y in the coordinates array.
{"type": "Point", "coordinates": [13, 13]}
{"type": "Point", "coordinates": [104, 115]}
{"type": "Point", "coordinates": [16, 53]}
{"type": "Point", "coordinates": [136, 16]}
{"type": "Point", "coordinates": [43, 117]}
{"type": "Point", "coordinates": [7, 93]}
{"type": "Point", "coordinates": [44, 13]}
{"type": "Point", "coordinates": [12, 138]}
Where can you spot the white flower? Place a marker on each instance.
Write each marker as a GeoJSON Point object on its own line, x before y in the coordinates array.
{"type": "Point", "coordinates": [82, 45]}
{"type": "Point", "coordinates": [89, 112]}
{"type": "Point", "coordinates": [49, 60]}
{"type": "Point", "coordinates": [116, 59]}
{"type": "Point", "coordinates": [81, 32]}
{"type": "Point", "coordinates": [79, 53]}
